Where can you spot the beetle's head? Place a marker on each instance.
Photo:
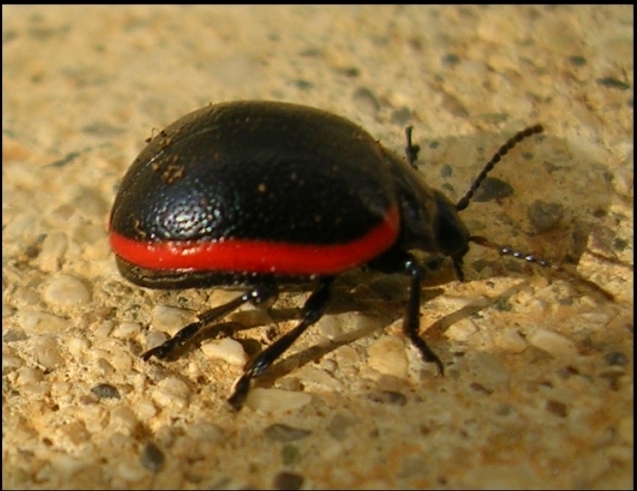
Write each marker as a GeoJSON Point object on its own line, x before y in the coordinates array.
{"type": "Point", "coordinates": [452, 237]}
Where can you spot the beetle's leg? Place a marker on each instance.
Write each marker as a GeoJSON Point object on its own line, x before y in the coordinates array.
{"type": "Point", "coordinates": [403, 262]}
{"type": "Point", "coordinates": [312, 311]}
{"type": "Point", "coordinates": [411, 150]}
{"type": "Point", "coordinates": [411, 323]}
{"type": "Point", "coordinates": [257, 295]}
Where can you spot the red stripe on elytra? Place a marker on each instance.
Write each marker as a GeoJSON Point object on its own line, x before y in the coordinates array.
{"type": "Point", "coordinates": [258, 256]}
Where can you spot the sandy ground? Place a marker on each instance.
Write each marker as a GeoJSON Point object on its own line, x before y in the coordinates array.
{"type": "Point", "coordinates": [538, 389]}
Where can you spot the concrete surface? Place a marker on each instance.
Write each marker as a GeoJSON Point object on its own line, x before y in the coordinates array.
{"type": "Point", "coordinates": [539, 383]}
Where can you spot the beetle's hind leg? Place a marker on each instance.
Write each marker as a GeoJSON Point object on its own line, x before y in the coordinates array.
{"type": "Point", "coordinates": [411, 150]}
{"type": "Point", "coordinates": [257, 295]}
{"type": "Point", "coordinates": [313, 310]}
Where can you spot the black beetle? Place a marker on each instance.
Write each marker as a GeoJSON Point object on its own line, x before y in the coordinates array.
{"type": "Point", "coordinates": [258, 194]}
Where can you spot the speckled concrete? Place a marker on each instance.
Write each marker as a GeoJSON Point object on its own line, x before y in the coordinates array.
{"type": "Point", "coordinates": [539, 384]}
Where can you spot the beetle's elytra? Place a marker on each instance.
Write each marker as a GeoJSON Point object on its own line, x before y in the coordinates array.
{"type": "Point", "coordinates": [257, 194]}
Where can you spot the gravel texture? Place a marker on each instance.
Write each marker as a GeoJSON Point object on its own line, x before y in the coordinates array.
{"type": "Point", "coordinates": [538, 390]}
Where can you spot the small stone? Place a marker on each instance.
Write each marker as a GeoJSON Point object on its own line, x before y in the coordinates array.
{"type": "Point", "coordinates": [276, 400]}
{"type": "Point", "coordinates": [121, 360]}
{"type": "Point", "coordinates": [480, 388]}
{"type": "Point", "coordinates": [553, 343]}
{"type": "Point", "coordinates": [288, 481]}
{"type": "Point", "coordinates": [41, 322]}
{"type": "Point", "coordinates": [290, 454]}
{"type": "Point", "coordinates": [78, 348]}
{"type": "Point", "coordinates": [461, 330]}
{"type": "Point", "coordinates": [60, 390]}
{"type": "Point", "coordinates": [491, 189]}
{"type": "Point", "coordinates": [66, 465]}
{"type": "Point", "coordinates": [67, 291]}
{"type": "Point", "coordinates": [10, 362]}
{"type": "Point", "coordinates": [387, 356]}
{"type": "Point", "coordinates": [613, 83]}
{"type": "Point", "coordinates": [90, 204]}
{"type": "Point", "coordinates": [598, 319]}
{"type": "Point", "coordinates": [227, 349]}
{"type": "Point", "coordinates": [347, 358]}
{"type": "Point", "coordinates": [130, 472]}
{"type": "Point", "coordinates": [615, 358]}
{"type": "Point", "coordinates": [106, 391]}
{"type": "Point", "coordinates": [126, 330]}
{"type": "Point", "coordinates": [285, 433]}
{"type": "Point", "coordinates": [365, 323]}
{"type": "Point", "coordinates": [53, 249]}
{"type": "Point", "coordinates": [105, 369]}
{"type": "Point", "coordinates": [29, 375]}
{"type": "Point", "coordinates": [557, 408]}
{"type": "Point", "coordinates": [26, 296]}
{"type": "Point", "coordinates": [331, 326]}
{"type": "Point", "coordinates": [318, 379]}
{"type": "Point", "coordinates": [170, 319]}
{"type": "Point", "coordinates": [388, 397]}
{"type": "Point", "coordinates": [339, 425]}
{"type": "Point", "coordinates": [145, 409]}
{"type": "Point", "coordinates": [488, 368]}
{"type": "Point", "coordinates": [152, 458]}
{"type": "Point", "coordinates": [545, 215]}
{"type": "Point", "coordinates": [12, 335]}
{"type": "Point", "coordinates": [103, 330]}
{"type": "Point", "coordinates": [206, 432]}
{"type": "Point", "coordinates": [510, 340]}
{"type": "Point", "coordinates": [329, 365]}
{"type": "Point", "coordinates": [45, 352]}
{"type": "Point", "coordinates": [7, 310]}
{"type": "Point", "coordinates": [172, 392]}
{"type": "Point", "coordinates": [124, 421]}
{"type": "Point", "coordinates": [76, 433]}
{"type": "Point", "coordinates": [155, 338]}
{"type": "Point", "coordinates": [457, 303]}
{"type": "Point", "coordinates": [90, 233]}
{"type": "Point", "coordinates": [366, 100]}
{"type": "Point", "coordinates": [577, 60]}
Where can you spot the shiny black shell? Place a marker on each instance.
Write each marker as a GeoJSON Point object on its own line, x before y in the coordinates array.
{"type": "Point", "coordinates": [242, 189]}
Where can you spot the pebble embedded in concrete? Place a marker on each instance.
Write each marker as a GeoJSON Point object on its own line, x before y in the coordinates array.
{"type": "Point", "coordinates": [387, 356]}
{"type": "Point", "coordinates": [66, 291]}
{"type": "Point", "coordinates": [275, 400]}
{"type": "Point", "coordinates": [553, 343]}
{"type": "Point", "coordinates": [227, 349]}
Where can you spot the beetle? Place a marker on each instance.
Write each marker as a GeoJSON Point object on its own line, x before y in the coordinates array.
{"type": "Point", "coordinates": [258, 194]}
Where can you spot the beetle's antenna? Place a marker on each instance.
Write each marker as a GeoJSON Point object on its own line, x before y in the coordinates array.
{"type": "Point", "coordinates": [502, 151]}
{"type": "Point", "coordinates": [508, 251]}
{"type": "Point", "coordinates": [531, 258]}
